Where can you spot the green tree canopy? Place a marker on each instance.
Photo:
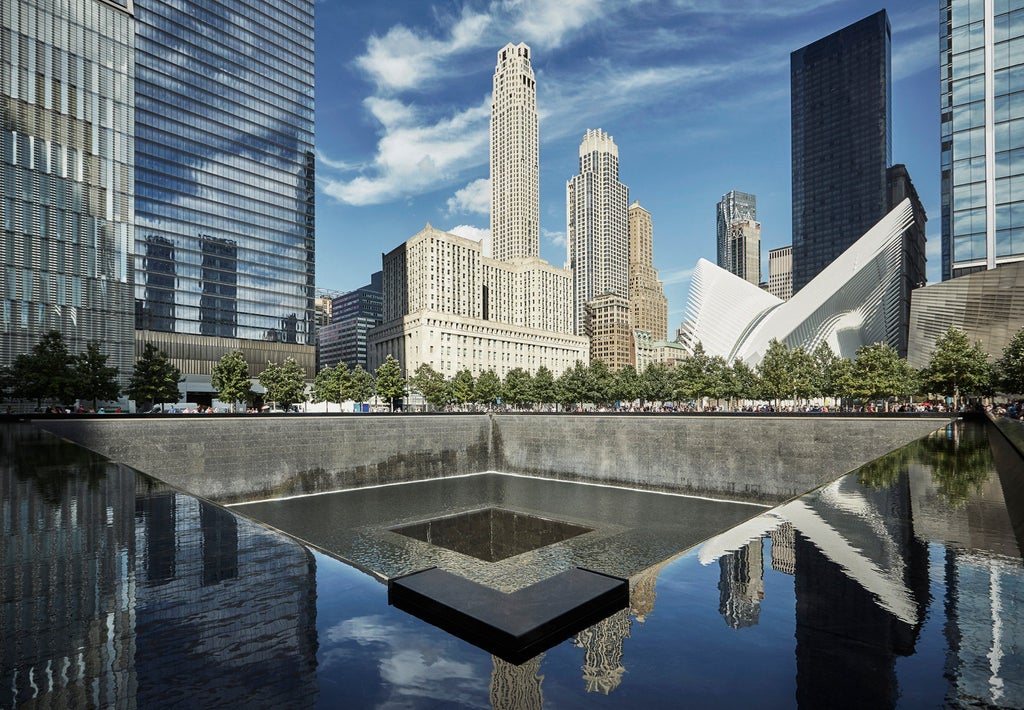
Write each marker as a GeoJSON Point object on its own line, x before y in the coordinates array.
{"type": "Point", "coordinates": [879, 373]}
{"type": "Point", "coordinates": [431, 384]}
{"type": "Point", "coordinates": [361, 385]}
{"type": "Point", "coordinates": [601, 383]}
{"type": "Point", "coordinates": [155, 379]}
{"type": "Point", "coordinates": [487, 388]}
{"type": "Point", "coordinates": [46, 372]}
{"type": "Point", "coordinates": [655, 383]}
{"type": "Point", "coordinates": [1010, 367]}
{"type": "Point", "coordinates": [957, 368]}
{"type": "Point", "coordinates": [231, 378]}
{"type": "Point", "coordinates": [463, 386]}
{"type": "Point", "coordinates": [743, 380]}
{"type": "Point", "coordinates": [573, 386]}
{"type": "Point", "coordinates": [544, 386]}
{"type": "Point", "coordinates": [775, 372]}
{"type": "Point", "coordinates": [285, 383]}
{"type": "Point", "coordinates": [517, 389]}
{"type": "Point", "coordinates": [390, 383]}
{"type": "Point", "coordinates": [627, 385]}
{"type": "Point", "coordinates": [332, 384]}
{"type": "Point", "coordinates": [93, 378]}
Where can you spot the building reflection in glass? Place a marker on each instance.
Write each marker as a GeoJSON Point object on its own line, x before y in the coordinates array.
{"type": "Point", "coordinates": [741, 585]}
{"type": "Point", "coordinates": [116, 591]}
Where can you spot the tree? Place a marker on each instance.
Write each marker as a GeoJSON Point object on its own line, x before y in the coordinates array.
{"type": "Point", "coordinates": [718, 378]}
{"type": "Point", "coordinates": [743, 380]}
{"type": "Point", "coordinates": [627, 385]}
{"type": "Point", "coordinates": [692, 378]}
{"type": "Point", "coordinates": [1010, 367]}
{"type": "Point", "coordinates": [956, 367]}
{"type": "Point", "coordinates": [840, 380]}
{"type": "Point", "coordinates": [517, 389]}
{"type": "Point", "coordinates": [361, 385]}
{"type": "Point", "coordinates": [573, 386]}
{"type": "Point", "coordinates": [93, 378]}
{"type": "Point", "coordinates": [390, 383]}
{"type": "Point", "coordinates": [487, 388]}
{"type": "Point", "coordinates": [879, 373]}
{"type": "Point", "coordinates": [332, 384]}
{"type": "Point", "coordinates": [805, 373]}
{"type": "Point", "coordinates": [824, 358]}
{"type": "Point", "coordinates": [231, 379]}
{"type": "Point", "coordinates": [601, 383]}
{"type": "Point", "coordinates": [155, 379]}
{"type": "Point", "coordinates": [462, 387]}
{"type": "Point", "coordinates": [655, 383]}
{"type": "Point", "coordinates": [46, 372]}
{"type": "Point", "coordinates": [775, 373]}
{"type": "Point", "coordinates": [285, 383]}
{"type": "Point", "coordinates": [432, 385]}
{"type": "Point", "coordinates": [543, 386]}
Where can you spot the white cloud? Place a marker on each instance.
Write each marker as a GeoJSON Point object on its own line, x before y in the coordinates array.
{"type": "Point", "coordinates": [913, 54]}
{"type": "Point", "coordinates": [675, 276]}
{"type": "Point", "coordinates": [549, 23]}
{"type": "Point", "coordinates": [556, 238]}
{"type": "Point", "coordinates": [473, 198]}
{"type": "Point", "coordinates": [413, 158]}
{"type": "Point", "coordinates": [325, 161]}
{"type": "Point", "coordinates": [476, 234]}
{"type": "Point", "coordinates": [402, 59]}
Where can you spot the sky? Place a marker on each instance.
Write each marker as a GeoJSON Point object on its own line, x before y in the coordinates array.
{"type": "Point", "coordinates": [694, 92]}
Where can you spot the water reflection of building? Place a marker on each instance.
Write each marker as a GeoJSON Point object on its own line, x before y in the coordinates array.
{"type": "Point", "coordinates": [225, 607]}
{"type": "Point", "coordinates": [602, 646]}
{"type": "Point", "coordinates": [741, 585]}
{"type": "Point", "coordinates": [517, 687]}
{"type": "Point", "coordinates": [861, 583]}
{"type": "Point", "coordinates": [783, 548]}
{"type": "Point", "coordinates": [66, 606]}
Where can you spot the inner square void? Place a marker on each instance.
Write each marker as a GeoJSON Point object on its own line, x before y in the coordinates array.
{"type": "Point", "coordinates": [492, 534]}
{"type": "Point", "coordinates": [629, 530]}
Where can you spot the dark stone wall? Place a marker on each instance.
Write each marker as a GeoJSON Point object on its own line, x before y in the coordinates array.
{"type": "Point", "coordinates": [753, 458]}
{"type": "Point", "coordinates": [231, 459]}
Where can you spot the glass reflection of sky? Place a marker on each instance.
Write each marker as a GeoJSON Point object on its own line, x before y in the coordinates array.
{"type": "Point", "coordinates": [899, 585]}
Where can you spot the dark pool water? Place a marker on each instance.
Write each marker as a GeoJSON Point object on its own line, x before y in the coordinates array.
{"type": "Point", "coordinates": [899, 585]}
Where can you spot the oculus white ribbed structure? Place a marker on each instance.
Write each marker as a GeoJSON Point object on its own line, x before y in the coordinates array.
{"type": "Point", "coordinates": [854, 301]}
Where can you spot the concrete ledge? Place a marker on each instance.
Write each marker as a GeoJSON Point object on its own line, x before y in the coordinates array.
{"type": "Point", "coordinates": [517, 626]}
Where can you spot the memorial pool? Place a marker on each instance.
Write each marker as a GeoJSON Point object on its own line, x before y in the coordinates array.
{"type": "Point", "coordinates": [899, 584]}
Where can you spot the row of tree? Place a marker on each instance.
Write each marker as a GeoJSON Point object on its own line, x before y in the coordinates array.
{"type": "Point", "coordinates": [956, 369]}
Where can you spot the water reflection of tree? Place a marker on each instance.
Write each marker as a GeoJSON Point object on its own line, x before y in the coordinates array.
{"type": "Point", "coordinates": [882, 473]}
{"type": "Point", "coordinates": [49, 467]}
{"type": "Point", "coordinates": [960, 460]}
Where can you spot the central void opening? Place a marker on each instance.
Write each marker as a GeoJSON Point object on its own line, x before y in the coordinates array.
{"type": "Point", "coordinates": [491, 534]}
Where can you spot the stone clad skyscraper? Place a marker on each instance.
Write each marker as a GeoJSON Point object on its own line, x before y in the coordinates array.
{"type": "Point", "coordinates": [646, 294]}
{"type": "Point", "coordinates": [841, 141]}
{"type": "Point", "coordinates": [597, 225]}
{"type": "Point", "coordinates": [515, 157]}
{"type": "Point", "coordinates": [66, 87]}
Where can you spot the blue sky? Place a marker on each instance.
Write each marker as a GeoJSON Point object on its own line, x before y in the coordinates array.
{"type": "Point", "coordinates": [695, 93]}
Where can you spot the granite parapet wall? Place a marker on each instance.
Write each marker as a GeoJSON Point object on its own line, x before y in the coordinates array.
{"type": "Point", "coordinates": [231, 459]}
{"type": "Point", "coordinates": [754, 458]}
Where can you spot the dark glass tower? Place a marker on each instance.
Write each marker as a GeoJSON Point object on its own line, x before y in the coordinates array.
{"type": "Point", "coordinates": [224, 182]}
{"type": "Point", "coordinates": [841, 138]}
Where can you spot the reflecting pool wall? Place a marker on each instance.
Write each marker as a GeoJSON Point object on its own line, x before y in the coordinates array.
{"type": "Point", "coordinates": [897, 585]}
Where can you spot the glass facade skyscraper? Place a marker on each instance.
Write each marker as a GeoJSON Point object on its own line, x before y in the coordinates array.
{"type": "Point", "coordinates": [841, 140]}
{"type": "Point", "coordinates": [224, 182]}
{"type": "Point", "coordinates": [982, 126]}
{"type": "Point", "coordinates": [66, 70]}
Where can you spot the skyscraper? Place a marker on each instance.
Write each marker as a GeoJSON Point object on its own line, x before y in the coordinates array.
{"type": "Point", "coordinates": [67, 101]}
{"type": "Point", "coordinates": [841, 141]}
{"type": "Point", "coordinates": [597, 225]}
{"type": "Point", "coordinates": [515, 157]}
{"type": "Point", "coordinates": [982, 115]}
{"type": "Point", "coordinates": [224, 183]}
{"type": "Point", "coordinates": [646, 294]}
{"type": "Point", "coordinates": [735, 252]}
